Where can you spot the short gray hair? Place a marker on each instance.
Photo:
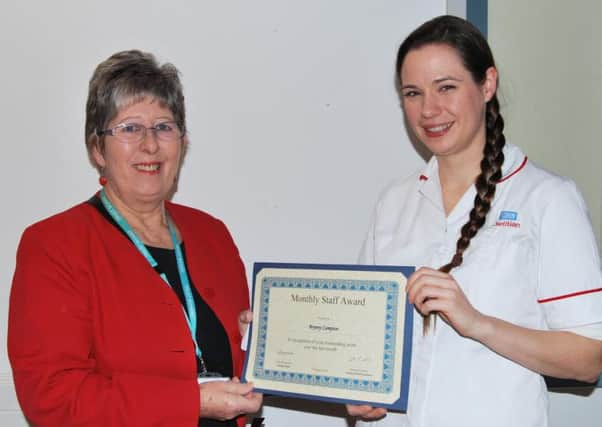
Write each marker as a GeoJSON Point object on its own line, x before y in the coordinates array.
{"type": "Point", "coordinates": [125, 78]}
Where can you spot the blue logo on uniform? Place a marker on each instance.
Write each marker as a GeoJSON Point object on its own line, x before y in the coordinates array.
{"type": "Point", "coordinates": [508, 216]}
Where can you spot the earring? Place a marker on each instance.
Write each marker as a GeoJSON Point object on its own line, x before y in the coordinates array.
{"type": "Point", "coordinates": [102, 180]}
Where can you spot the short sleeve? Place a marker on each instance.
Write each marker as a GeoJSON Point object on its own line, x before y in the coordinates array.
{"type": "Point", "coordinates": [366, 255]}
{"type": "Point", "coordinates": [570, 283]}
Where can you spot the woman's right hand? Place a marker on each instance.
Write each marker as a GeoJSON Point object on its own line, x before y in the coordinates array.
{"type": "Point", "coordinates": [245, 318]}
{"type": "Point", "coordinates": [224, 400]}
{"type": "Point", "coordinates": [366, 412]}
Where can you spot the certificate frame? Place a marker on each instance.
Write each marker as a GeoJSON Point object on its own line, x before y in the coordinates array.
{"type": "Point", "coordinates": [383, 386]}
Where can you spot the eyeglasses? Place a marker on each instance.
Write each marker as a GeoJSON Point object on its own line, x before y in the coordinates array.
{"type": "Point", "coordinates": [132, 133]}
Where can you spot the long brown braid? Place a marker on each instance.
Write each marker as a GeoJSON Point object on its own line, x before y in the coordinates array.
{"type": "Point", "coordinates": [476, 55]}
{"type": "Point", "coordinates": [491, 173]}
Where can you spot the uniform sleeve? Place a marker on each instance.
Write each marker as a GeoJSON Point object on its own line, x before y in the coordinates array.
{"type": "Point", "coordinates": [570, 283]}
{"type": "Point", "coordinates": [366, 255]}
{"type": "Point", "coordinates": [50, 346]}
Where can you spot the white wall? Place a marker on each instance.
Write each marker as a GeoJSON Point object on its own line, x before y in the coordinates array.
{"type": "Point", "coordinates": [549, 56]}
{"type": "Point", "coordinates": [294, 122]}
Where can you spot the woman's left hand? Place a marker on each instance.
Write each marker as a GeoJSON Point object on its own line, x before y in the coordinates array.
{"type": "Point", "coordinates": [433, 291]}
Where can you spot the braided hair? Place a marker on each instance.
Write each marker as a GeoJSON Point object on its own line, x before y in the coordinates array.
{"type": "Point", "coordinates": [476, 56]}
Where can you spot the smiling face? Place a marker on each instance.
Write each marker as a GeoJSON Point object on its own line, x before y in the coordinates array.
{"type": "Point", "coordinates": [443, 105]}
{"type": "Point", "coordinates": [140, 173]}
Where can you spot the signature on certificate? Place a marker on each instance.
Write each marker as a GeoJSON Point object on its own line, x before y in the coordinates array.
{"type": "Point", "coordinates": [360, 358]}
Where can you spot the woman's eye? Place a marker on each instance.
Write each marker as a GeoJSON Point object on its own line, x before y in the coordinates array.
{"type": "Point", "coordinates": [164, 127]}
{"type": "Point", "coordinates": [410, 94]}
{"type": "Point", "coordinates": [130, 128]}
{"type": "Point", "coordinates": [446, 88]}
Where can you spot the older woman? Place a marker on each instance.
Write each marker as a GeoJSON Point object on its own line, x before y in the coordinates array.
{"type": "Point", "coordinates": [122, 303]}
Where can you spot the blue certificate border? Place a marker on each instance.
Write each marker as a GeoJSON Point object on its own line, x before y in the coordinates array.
{"type": "Point", "coordinates": [327, 381]}
{"type": "Point", "coordinates": [389, 287]}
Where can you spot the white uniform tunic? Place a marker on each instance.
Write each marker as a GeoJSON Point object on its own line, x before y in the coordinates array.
{"type": "Point", "coordinates": [534, 263]}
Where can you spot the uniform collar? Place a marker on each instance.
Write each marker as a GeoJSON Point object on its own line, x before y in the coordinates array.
{"type": "Point", "coordinates": [430, 187]}
{"type": "Point", "coordinates": [514, 162]}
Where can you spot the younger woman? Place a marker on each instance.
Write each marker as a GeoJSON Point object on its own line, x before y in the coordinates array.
{"type": "Point", "coordinates": [512, 274]}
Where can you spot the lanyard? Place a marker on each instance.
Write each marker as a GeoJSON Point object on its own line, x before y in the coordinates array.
{"type": "Point", "coordinates": [190, 311]}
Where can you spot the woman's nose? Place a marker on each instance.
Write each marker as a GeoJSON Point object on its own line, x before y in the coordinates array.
{"type": "Point", "coordinates": [430, 106]}
{"type": "Point", "coordinates": [149, 141]}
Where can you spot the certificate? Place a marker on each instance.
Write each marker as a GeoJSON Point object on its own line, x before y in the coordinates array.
{"type": "Point", "coordinates": [340, 333]}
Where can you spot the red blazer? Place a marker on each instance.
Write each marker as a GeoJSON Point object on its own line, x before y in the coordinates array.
{"type": "Point", "coordinates": [96, 337]}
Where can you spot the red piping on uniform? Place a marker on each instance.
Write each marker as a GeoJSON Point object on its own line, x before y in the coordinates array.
{"type": "Point", "coordinates": [522, 165]}
{"type": "Point", "coordinates": [574, 294]}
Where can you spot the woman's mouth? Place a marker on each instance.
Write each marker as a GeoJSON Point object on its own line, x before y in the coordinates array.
{"type": "Point", "coordinates": [437, 130]}
{"type": "Point", "coordinates": [150, 168]}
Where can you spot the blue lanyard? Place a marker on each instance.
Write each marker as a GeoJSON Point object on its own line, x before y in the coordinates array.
{"type": "Point", "coordinates": [191, 318]}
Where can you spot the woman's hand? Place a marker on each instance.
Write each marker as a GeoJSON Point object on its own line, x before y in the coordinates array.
{"type": "Point", "coordinates": [366, 412]}
{"type": "Point", "coordinates": [224, 400]}
{"type": "Point", "coordinates": [433, 291]}
{"type": "Point", "coordinates": [244, 320]}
